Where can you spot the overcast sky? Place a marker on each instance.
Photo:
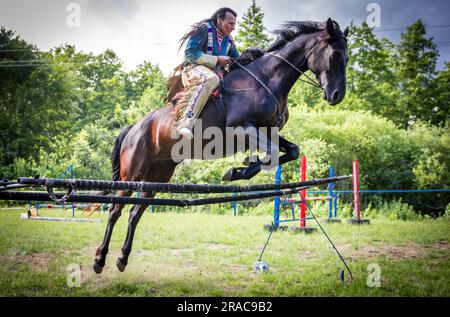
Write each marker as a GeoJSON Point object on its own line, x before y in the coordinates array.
{"type": "Point", "coordinates": [139, 30]}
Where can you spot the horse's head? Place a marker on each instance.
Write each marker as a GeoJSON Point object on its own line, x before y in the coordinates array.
{"type": "Point", "coordinates": [328, 60]}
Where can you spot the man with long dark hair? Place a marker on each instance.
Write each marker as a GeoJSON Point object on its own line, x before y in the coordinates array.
{"type": "Point", "coordinates": [208, 50]}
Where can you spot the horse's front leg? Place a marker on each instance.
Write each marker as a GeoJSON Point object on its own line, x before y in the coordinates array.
{"type": "Point", "coordinates": [276, 145]}
{"type": "Point", "coordinates": [290, 149]}
{"type": "Point", "coordinates": [257, 140]}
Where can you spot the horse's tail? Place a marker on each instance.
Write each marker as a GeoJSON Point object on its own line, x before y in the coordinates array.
{"type": "Point", "coordinates": [115, 156]}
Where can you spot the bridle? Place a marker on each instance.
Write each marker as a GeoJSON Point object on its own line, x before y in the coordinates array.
{"type": "Point", "coordinates": [309, 80]}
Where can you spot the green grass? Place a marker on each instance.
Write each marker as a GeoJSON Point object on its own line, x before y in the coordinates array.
{"type": "Point", "coordinates": [194, 254]}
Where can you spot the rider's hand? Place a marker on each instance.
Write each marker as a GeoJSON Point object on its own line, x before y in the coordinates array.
{"type": "Point", "coordinates": [223, 60]}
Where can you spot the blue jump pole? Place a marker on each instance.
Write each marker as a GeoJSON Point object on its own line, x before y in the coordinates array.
{"type": "Point", "coordinates": [72, 176]}
{"type": "Point", "coordinates": [276, 207]}
{"type": "Point", "coordinates": [330, 193]}
{"type": "Point", "coordinates": [235, 205]}
{"type": "Point", "coordinates": [335, 205]}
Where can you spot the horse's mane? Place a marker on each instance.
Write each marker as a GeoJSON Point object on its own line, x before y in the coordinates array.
{"type": "Point", "coordinates": [293, 29]}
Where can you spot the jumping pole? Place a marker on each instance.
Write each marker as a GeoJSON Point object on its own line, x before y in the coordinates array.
{"type": "Point", "coordinates": [357, 198]}
{"type": "Point", "coordinates": [303, 227]}
{"type": "Point", "coordinates": [332, 195]}
{"type": "Point", "coordinates": [276, 206]}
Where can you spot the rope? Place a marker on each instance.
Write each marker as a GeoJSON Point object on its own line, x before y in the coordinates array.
{"type": "Point", "coordinates": [329, 239]}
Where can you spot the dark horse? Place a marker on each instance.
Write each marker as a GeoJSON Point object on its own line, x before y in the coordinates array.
{"type": "Point", "coordinates": [142, 152]}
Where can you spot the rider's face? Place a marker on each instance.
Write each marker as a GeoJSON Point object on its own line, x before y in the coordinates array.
{"type": "Point", "coordinates": [227, 25]}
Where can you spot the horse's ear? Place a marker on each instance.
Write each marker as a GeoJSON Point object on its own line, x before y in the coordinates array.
{"type": "Point", "coordinates": [345, 33]}
{"type": "Point", "coordinates": [330, 26]}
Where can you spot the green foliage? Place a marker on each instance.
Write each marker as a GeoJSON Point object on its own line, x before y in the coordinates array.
{"type": "Point", "coordinates": [151, 99]}
{"type": "Point", "coordinates": [397, 81]}
{"type": "Point", "coordinates": [251, 29]}
{"type": "Point", "coordinates": [441, 110]}
{"type": "Point", "coordinates": [38, 98]}
{"type": "Point", "coordinates": [394, 210]}
{"type": "Point", "coordinates": [416, 70]}
{"type": "Point", "coordinates": [67, 106]}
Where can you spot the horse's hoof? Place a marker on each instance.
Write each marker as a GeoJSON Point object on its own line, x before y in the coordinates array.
{"type": "Point", "coordinates": [120, 265]}
{"type": "Point", "coordinates": [250, 160]}
{"type": "Point", "coordinates": [228, 177]}
{"type": "Point", "coordinates": [97, 268]}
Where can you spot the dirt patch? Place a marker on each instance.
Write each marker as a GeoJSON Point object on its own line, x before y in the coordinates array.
{"type": "Point", "coordinates": [441, 245]}
{"type": "Point", "coordinates": [307, 255]}
{"type": "Point", "coordinates": [236, 268]}
{"type": "Point", "coordinates": [39, 261]}
{"type": "Point", "coordinates": [393, 252]}
{"type": "Point", "coordinates": [216, 246]}
{"type": "Point", "coordinates": [181, 252]}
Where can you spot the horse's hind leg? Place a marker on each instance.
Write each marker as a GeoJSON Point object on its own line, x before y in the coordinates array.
{"type": "Point", "coordinates": [114, 213]}
{"type": "Point", "coordinates": [135, 215]}
{"type": "Point", "coordinates": [159, 172]}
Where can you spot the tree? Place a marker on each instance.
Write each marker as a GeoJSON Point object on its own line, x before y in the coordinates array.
{"type": "Point", "coordinates": [416, 70]}
{"type": "Point", "coordinates": [441, 110]}
{"type": "Point", "coordinates": [251, 30]}
{"type": "Point", "coordinates": [145, 76]}
{"type": "Point", "coordinates": [36, 98]}
{"type": "Point", "coordinates": [370, 73]}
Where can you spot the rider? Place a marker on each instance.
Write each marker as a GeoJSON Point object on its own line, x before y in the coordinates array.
{"type": "Point", "coordinates": [208, 50]}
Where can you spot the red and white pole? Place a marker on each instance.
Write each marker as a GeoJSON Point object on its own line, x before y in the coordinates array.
{"type": "Point", "coordinates": [356, 194]}
{"type": "Point", "coordinates": [303, 193]}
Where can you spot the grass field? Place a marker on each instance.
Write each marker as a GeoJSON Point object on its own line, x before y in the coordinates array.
{"type": "Point", "coordinates": [194, 254]}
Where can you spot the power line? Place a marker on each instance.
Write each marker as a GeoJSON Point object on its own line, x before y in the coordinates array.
{"type": "Point", "coordinates": [112, 45]}
{"type": "Point", "coordinates": [402, 29]}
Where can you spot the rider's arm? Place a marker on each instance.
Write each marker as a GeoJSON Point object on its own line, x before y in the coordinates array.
{"type": "Point", "coordinates": [194, 49]}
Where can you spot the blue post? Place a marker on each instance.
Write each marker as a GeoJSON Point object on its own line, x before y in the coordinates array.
{"type": "Point", "coordinates": [276, 207]}
{"type": "Point", "coordinates": [72, 176]}
{"type": "Point", "coordinates": [235, 205]}
{"type": "Point", "coordinates": [330, 193]}
{"type": "Point", "coordinates": [335, 205]}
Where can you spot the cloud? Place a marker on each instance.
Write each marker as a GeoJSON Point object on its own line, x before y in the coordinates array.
{"type": "Point", "coordinates": [132, 27]}
{"type": "Point", "coordinates": [126, 9]}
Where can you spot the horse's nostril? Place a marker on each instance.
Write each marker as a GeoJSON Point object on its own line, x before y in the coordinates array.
{"type": "Point", "coordinates": [335, 96]}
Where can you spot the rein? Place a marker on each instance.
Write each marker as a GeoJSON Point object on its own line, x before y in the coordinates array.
{"type": "Point", "coordinates": [280, 113]}
{"type": "Point", "coordinates": [310, 81]}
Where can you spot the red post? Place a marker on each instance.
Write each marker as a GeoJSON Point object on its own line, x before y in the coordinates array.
{"type": "Point", "coordinates": [356, 194]}
{"type": "Point", "coordinates": [303, 192]}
